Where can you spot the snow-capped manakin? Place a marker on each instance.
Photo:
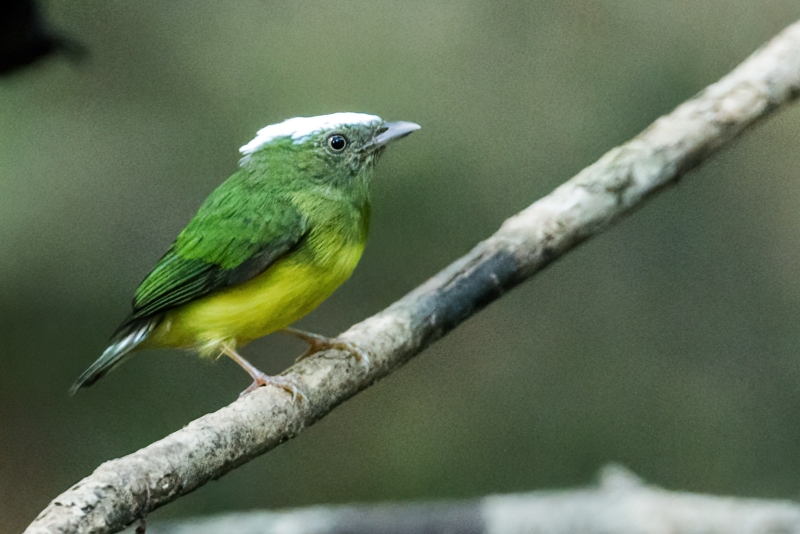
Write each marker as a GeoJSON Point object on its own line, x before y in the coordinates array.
{"type": "Point", "coordinates": [267, 246]}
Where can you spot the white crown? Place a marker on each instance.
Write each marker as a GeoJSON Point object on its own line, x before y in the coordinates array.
{"type": "Point", "coordinates": [301, 128]}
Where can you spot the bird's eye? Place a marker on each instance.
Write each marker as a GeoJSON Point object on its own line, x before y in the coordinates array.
{"type": "Point", "coordinates": [337, 143]}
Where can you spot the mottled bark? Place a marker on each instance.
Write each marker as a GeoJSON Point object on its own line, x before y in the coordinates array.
{"type": "Point", "coordinates": [121, 490]}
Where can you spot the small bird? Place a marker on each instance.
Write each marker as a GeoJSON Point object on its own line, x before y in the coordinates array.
{"type": "Point", "coordinates": [266, 247]}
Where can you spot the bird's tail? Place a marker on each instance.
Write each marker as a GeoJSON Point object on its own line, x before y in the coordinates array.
{"type": "Point", "coordinates": [127, 338]}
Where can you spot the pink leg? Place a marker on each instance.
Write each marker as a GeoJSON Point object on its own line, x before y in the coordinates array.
{"type": "Point", "coordinates": [259, 378]}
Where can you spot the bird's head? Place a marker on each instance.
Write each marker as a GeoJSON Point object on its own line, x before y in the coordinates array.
{"type": "Point", "coordinates": [327, 149]}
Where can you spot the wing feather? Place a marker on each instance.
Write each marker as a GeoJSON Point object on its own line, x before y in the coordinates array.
{"type": "Point", "coordinates": [233, 237]}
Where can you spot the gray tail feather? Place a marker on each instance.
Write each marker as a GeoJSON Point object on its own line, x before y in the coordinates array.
{"type": "Point", "coordinates": [127, 338]}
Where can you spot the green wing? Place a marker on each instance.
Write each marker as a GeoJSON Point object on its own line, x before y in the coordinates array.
{"type": "Point", "coordinates": [237, 234]}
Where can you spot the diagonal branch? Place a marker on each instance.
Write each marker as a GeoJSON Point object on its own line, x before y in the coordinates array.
{"type": "Point", "coordinates": [122, 490]}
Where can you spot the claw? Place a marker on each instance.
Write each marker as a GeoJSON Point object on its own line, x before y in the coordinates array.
{"type": "Point", "coordinates": [317, 343]}
{"type": "Point", "coordinates": [361, 356]}
{"type": "Point", "coordinates": [277, 381]}
{"type": "Point", "coordinates": [261, 379]}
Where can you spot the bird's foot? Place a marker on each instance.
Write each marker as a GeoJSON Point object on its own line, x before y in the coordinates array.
{"type": "Point", "coordinates": [261, 379]}
{"type": "Point", "coordinates": [317, 343]}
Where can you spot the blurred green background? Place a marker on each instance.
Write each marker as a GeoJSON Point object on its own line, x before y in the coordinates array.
{"type": "Point", "coordinates": [670, 344]}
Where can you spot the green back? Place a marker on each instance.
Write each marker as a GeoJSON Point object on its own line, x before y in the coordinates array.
{"type": "Point", "coordinates": [284, 193]}
{"type": "Point", "coordinates": [239, 231]}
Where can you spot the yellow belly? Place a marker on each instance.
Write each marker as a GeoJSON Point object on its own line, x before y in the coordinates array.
{"type": "Point", "coordinates": [279, 296]}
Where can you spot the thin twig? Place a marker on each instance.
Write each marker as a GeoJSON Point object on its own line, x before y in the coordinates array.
{"type": "Point", "coordinates": [112, 497]}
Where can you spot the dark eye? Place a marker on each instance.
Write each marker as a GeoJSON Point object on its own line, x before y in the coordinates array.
{"type": "Point", "coordinates": [337, 142]}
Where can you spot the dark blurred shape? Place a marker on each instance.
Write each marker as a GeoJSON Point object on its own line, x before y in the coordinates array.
{"type": "Point", "coordinates": [25, 38]}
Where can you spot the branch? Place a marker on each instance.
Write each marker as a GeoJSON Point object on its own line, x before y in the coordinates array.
{"type": "Point", "coordinates": [621, 504]}
{"type": "Point", "coordinates": [122, 490]}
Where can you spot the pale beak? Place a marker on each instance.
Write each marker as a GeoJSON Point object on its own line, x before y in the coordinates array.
{"type": "Point", "coordinates": [391, 131]}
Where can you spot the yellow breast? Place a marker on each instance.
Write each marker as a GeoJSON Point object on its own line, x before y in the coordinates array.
{"type": "Point", "coordinates": [285, 292]}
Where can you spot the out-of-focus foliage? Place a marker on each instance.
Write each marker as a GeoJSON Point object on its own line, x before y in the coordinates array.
{"type": "Point", "coordinates": [24, 39]}
{"type": "Point", "coordinates": [670, 344]}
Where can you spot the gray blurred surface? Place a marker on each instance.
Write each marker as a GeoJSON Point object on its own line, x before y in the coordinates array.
{"type": "Point", "coordinates": [621, 504]}
{"type": "Point", "coordinates": [671, 343]}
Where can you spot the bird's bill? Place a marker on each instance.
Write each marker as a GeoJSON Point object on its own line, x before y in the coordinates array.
{"type": "Point", "coordinates": [390, 132]}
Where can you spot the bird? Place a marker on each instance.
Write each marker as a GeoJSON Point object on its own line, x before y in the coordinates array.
{"type": "Point", "coordinates": [266, 247]}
